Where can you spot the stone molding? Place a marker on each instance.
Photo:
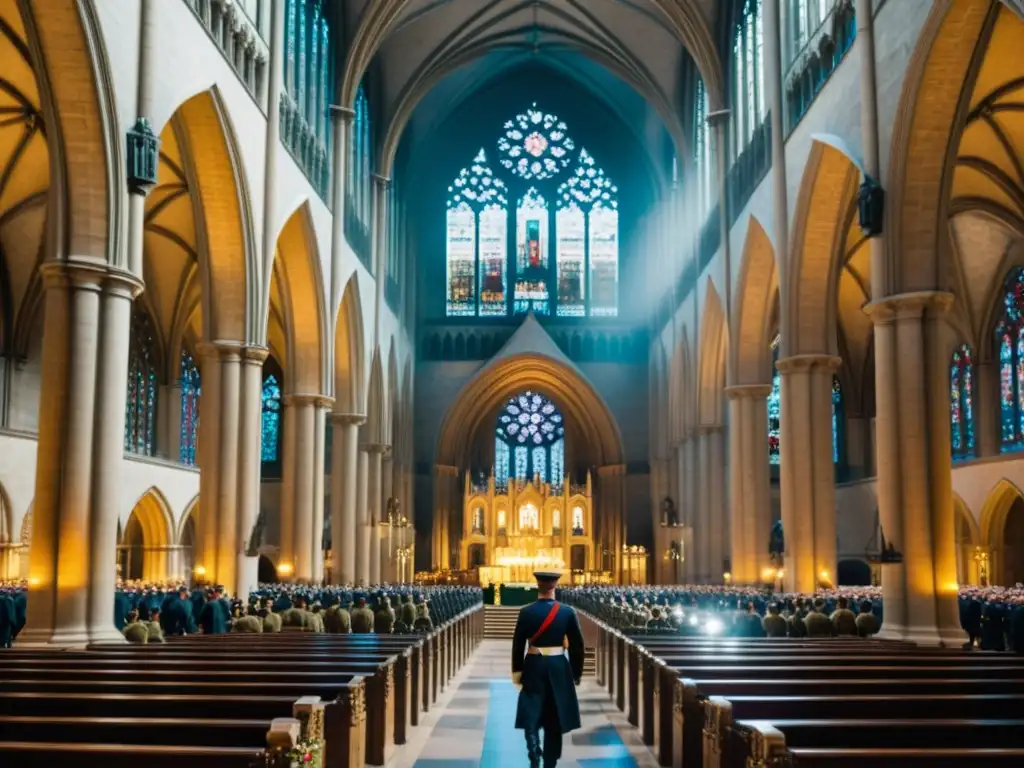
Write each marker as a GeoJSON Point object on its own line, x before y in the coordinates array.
{"type": "Point", "coordinates": [741, 391]}
{"type": "Point", "coordinates": [348, 419]}
{"type": "Point", "coordinates": [91, 276]}
{"type": "Point", "coordinates": [381, 181]}
{"type": "Point", "coordinates": [255, 354]}
{"type": "Point", "coordinates": [314, 400]}
{"type": "Point", "coordinates": [718, 117]}
{"type": "Point", "coordinates": [232, 350]}
{"type": "Point", "coordinates": [908, 306]}
{"type": "Point", "coordinates": [808, 363]}
{"type": "Point", "coordinates": [374, 447]}
{"type": "Point", "coordinates": [347, 114]}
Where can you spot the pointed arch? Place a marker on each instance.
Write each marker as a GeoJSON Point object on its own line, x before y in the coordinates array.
{"type": "Point", "coordinates": [940, 78]}
{"type": "Point", "coordinates": [756, 292]}
{"type": "Point", "coordinates": [376, 403]}
{"type": "Point", "coordinates": [223, 216]}
{"type": "Point", "coordinates": [394, 388]}
{"type": "Point", "coordinates": [349, 352]}
{"type": "Point", "coordinates": [152, 515]}
{"type": "Point", "coordinates": [711, 359]}
{"type": "Point", "coordinates": [191, 513]}
{"type": "Point", "coordinates": [997, 505]}
{"type": "Point", "coordinates": [297, 292]}
{"type": "Point", "coordinates": [828, 189]}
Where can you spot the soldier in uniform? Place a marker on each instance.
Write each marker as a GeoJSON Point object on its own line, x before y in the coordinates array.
{"type": "Point", "coordinates": [384, 619]}
{"type": "Point", "coordinates": [362, 618]}
{"type": "Point", "coordinates": [337, 621]}
{"type": "Point", "coordinates": [547, 679]}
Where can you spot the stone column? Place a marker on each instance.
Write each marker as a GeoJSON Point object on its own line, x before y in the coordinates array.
{"type": "Point", "coordinates": [250, 404]}
{"type": "Point", "coordinates": [168, 430]}
{"type": "Point", "coordinates": [322, 407]}
{"type": "Point", "coordinates": [749, 486]}
{"type": "Point", "coordinates": [375, 452]}
{"type": "Point", "coordinates": [363, 525]}
{"type": "Point", "coordinates": [712, 461]}
{"type": "Point", "coordinates": [807, 472]}
{"type": "Point", "coordinates": [344, 469]}
{"type": "Point", "coordinates": [447, 498]}
{"type": "Point", "coordinates": [987, 434]}
{"type": "Point", "coordinates": [915, 500]}
{"type": "Point", "coordinates": [299, 483]}
{"type": "Point", "coordinates": [341, 123]}
{"type": "Point", "coordinates": [611, 502]}
{"type": "Point", "coordinates": [702, 518]}
{"type": "Point", "coordinates": [387, 492]}
{"type": "Point", "coordinates": [688, 500]}
{"type": "Point", "coordinates": [217, 541]}
{"type": "Point", "coordinates": [80, 451]}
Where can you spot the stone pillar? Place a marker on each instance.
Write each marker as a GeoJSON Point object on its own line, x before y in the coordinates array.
{"type": "Point", "coordinates": [807, 472]}
{"type": "Point", "coordinates": [447, 498]}
{"type": "Point", "coordinates": [168, 430]}
{"type": "Point", "coordinates": [702, 518]}
{"type": "Point", "coordinates": [344, 469]}
{"type": "Point", "coordinates": [749, 486]}
{"type": "Point", "coordinates": [712, 461]}
{"type": "Point", "coordinates": [363, 525]}
{"type": "Point", "coordinates": [915, 499]}
{"type": "Point", "coordinates": [323, 406]}
{"type": "Point", "coordinates": [373, 491]}
{"type": "Point", "coordinates": [80, 451]}
{"type": "Point", "coordinates": [387, 493]}
{"type": "Point", "coordinates": [341, 124]}
{"type": "Point", "coordinates": [688, 509]}
{"type": "Point", "coordinates": [987, 434]}
{"type": "Point", "coordinates": [858, 444]}
{"type": "Point", "coordinates": [217, 541]}
{"type": "Point", "coordinates": [250, 403]}
{"type": "Point", "coordinates": [298, 540]}
{"type": "Point", "coordinates": [611, 501]}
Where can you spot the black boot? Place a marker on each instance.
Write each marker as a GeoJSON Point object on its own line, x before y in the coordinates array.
{"type": "Point", "coordinates": [533, 750]}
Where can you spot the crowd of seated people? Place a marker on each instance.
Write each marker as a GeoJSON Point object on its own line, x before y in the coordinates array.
{"type": "Point", "coordinates": [150, 612]}
{"type": "Point", "coordinates": [992, 617]}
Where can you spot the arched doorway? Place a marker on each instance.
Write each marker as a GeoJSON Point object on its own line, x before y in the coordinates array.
{"type": "Point", "coordinates": [266, 571]}
{"type": "Point", "coordinates": [145, 546]}
{"type": "Point", "coordinates": [186, 544]}
{"type": "Point", "coordinates": [1012, 559]}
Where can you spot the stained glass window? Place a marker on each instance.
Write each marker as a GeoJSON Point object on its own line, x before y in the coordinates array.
{"type": "Point", "coordinates": [702, 145]}
{"type": "Point", "coordinates": [961, 402]}
{"type": "Point", "coordinates": [535, 145]}
{"type": "Point", "coordinates": [190, 393]}
{"type": "Point", "coordinates": [533, 427]}
{"type": "Point", "coordinates": [571, 256]}
{"type": "Point", "coordinates": [477, 211]}
{"type": "Point", "coordinates": [501, 459]}
{"type": "Point", "coordinates": [748, 91]}
{"type": "Point", "coordinates": [775, 408]}
{"type": "Point", "coordinates": [140, 407]}
{"type": "Point", "coordinates": [837, 420]}
{"type": "Point", "coordinates": [271, 427]}
{"type": "Point", "coordinates": [1010, 336]}
{"type": "Point", "coordinates": [531, 290]}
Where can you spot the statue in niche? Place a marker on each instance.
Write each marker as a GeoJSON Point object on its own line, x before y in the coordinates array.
{"type": "Point", "coordinates": [501, 521]}
{"type": "Point", "coordinates": [777, 541]}
{"type": "Point", "coordinates": [577, 521]}
{"type": "Point", "coordinates": [669, 517]}
{"type": "Point", "coordinates": [528, 518]}
{"type": "Point", "coordinates": [556, 521]}
{"type": "Point", "coordinates": [478, 520]}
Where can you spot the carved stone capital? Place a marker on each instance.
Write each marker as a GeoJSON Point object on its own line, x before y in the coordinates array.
{"type": "Point", "coordinates": [91, 276]}
{"type": "Point", "coordinates": [221, 350]}
{"type": "Point", "coordinates": [348, 419]}
{"type": "Point", "coordinates": [346, 114]}
{"type": "Point", "coordinates": [308, 399]}
{"type": "Point", "coordinates": [751, 391]}
{"type": "Point", "coordinates": [255, 355]}
{"type": "Point", "coordinates": [808, 363]}
{"type": "Point", "coordinates": [908, 306]}
{"type": "Point", "coordinates": [710, 429]}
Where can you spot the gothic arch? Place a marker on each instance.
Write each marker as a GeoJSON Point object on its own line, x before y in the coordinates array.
{"type": "Point", "coordinates": [714, 341]}
{"type": "Point", "coordinates": [229, 267]}
{"type": "Point", "coordinates": [941, 71]}
{"type": "Point", "coordinates": [756, 290]}
{"type": "Point", "coordinates": [994, 516]}
{"type": "Point", "coordinates": [376, 403]}
{"type": "Point", "coordinates": [152, 514]}
{"type": "Point", "coordinates": [297, 312]}
{"type": "Point", "coordinates": [191, 512]}
{"type": "Point", "coordinates": [349, 352]}
{"type": "Point", "coordinates": [828, 189]}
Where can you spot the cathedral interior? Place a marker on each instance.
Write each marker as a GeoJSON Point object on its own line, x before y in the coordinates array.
{"type": "Point", "coordinates": [715, 293]}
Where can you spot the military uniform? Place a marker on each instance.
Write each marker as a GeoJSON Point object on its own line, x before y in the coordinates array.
{"type": "Point", "coordinates": [362, 618]}
{"type": "Point", "coordinates": [337, 621]}
{"type": "Point", "coordinates": [384, 619]}
{"type": "Point", "coordinates": [547, 698]}
{"type": "Point", "coordinates": [818, 624]}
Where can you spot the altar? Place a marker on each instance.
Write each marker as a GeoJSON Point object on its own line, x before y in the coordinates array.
{"type": "Point", "coordinates": [524, 525]}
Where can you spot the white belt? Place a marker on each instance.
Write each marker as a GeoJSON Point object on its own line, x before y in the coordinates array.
{"type": "Point", "coordinates": [553, 650]}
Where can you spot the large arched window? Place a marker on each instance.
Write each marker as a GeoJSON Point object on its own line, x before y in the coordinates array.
{"type": "Point", "coordinates": [580, 276]}
{"type": "Point", "coordinates": [140, 407]}
{"type": "Point", "coordinates": [961, 402]}
{"type": "Point", "coordinates": [308, 78]}
{"type": "Point", "coordinates": [702, 146]}
{"type": "Point", "coordinates": [190, 393]}
{"type": "Point", "coordinates": [529, 440]}
{"type": "Point", "coordinates": [477, 211]}
{"type": "Point", "coordinates": [837, 420]}
{"type": "Point", "coordinates": [359, 201]}
{"type": "Point", "coordinates": [270, 434]}
{"type": "Point", "coordinates": [1010, 339]}
{"type": "Point", "coordinates": [775, 408]}
{"type": "Point", "coordinates": [748, 86]}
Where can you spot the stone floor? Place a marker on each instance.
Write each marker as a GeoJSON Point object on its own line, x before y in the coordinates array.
{"type": "Point", "coordinates": [473, 724]}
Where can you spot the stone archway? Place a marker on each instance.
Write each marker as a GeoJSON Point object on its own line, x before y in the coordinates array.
{"type": "Point", "coordinates": [1011, 551]}
{"type": "Point", "coordinates": [146, 549]}
{"type": "Point", "coordinates": [1001, 517]}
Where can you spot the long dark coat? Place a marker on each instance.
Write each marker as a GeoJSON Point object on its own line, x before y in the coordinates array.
{"type": "Point", "coordinates": [539, 673]}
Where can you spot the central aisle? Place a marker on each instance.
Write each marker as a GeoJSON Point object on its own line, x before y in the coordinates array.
{"type": "Point", "coordinates": [473, 724]}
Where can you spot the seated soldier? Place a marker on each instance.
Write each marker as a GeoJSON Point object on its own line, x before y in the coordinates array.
{"type": "Point", "coordinates": [316, 618]}
{"type": "Point", "coordinates": [337, 621]}
{"type": "Point", "coordinates": [135, 632]}
{"type": "Point", "coordinates": [797, 627]}
{"type": "Point", "coordinates": [817, 622]}
{"type": "Point", "coordinates": [773, 623]}
{"type": "Point", "coordinates": [866, 621]}
{"type": "Point", "coordinates": [362, 618]}
{"type": "Point", "coordinates": [423, 621]}
{"type": "Point", "coordinates": [153, 630]}
{"type": "Point", "coordinates": [384, 619]}
{"type": "Point", "coordinates": [844, 623]}
{"type": "Point", "coordinates": [248, 624]}
{"type": "Point", "coordinates": [408, 612]}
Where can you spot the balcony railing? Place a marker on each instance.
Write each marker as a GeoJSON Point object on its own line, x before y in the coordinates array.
{"type": "Point", "coordinates": [239, 39]}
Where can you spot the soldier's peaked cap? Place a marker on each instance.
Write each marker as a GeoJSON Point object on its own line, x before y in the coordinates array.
{"type": "Point", "coordinates": [547, 575]}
